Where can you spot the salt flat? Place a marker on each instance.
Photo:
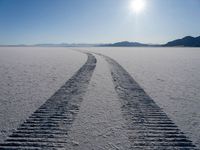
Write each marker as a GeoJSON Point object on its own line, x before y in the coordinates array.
{"type": "Point", "coordinates": [171, 76]}
{"type": "Point", "coordinates": [28, 77]}
{"type": "Point", "coordinates": [99, 124]}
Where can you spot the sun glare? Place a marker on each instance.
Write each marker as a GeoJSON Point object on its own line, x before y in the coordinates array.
{"type": "Point", "coordinates": [137, 6]}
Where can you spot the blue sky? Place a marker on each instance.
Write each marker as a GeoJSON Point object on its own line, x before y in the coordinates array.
{"type": "Point", "coordinates": [96, 21]}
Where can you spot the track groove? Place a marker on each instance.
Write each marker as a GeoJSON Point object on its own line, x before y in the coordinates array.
{"type": "Point", "coordinates": [47, 128]}
{"type": "Point", "coordinates": [148, 126]}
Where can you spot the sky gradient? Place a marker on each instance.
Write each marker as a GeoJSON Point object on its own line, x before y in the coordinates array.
{"type": "Point", "coordinates": [96, 21]}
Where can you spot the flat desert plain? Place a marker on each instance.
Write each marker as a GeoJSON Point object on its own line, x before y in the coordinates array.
{"type": "Point", "coordinates": [102, 98]}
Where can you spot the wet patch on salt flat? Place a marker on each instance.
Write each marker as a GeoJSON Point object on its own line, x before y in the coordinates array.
{"type": "Point", "coordinates": [99, 124]}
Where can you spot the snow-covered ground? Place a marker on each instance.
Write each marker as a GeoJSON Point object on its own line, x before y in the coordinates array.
{"type": "Point", "coordinates": [28, 77]}
{"type": "Point", "coordinates": [171, 76]}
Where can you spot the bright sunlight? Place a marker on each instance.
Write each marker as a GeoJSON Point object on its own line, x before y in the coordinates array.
{"type": "Point", "coordinates": [137, 6]}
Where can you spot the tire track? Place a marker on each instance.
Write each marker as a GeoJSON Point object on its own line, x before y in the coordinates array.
{"type": "Point", "coordinates": [99, 124]}
{"type": "Point", "coordinates": [47, 128]}
{"type": "Point", "coordinates": [148, 125]}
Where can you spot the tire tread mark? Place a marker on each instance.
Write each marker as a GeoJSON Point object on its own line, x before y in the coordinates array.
{"type": "Point", "coordinates": [48, 126]}
{"type": "Point", "coordinates": [148, 126]}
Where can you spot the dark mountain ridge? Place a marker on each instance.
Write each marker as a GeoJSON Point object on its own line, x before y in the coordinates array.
{"type": "Point", "coordinates": [187, 41]}
{"type": "Point", "coordinates": [125, 44]}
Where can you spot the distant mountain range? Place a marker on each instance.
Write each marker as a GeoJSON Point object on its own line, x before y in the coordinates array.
{"type": "Point", "coordinates": [187, 41]}
{"type": "Point", "coordinates": [64, 45]}
{"type": "Point", "coordinates": [124, 43]}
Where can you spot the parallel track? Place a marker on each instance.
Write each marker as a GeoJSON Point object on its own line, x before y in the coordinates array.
{"type": "Point", "coordinates": [147, 125]}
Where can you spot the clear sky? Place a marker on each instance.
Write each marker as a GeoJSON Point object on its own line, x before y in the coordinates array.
{"type": "Point", "coordinates": [96, 21]}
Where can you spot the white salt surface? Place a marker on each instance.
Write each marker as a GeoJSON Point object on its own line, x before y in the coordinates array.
{"type": "Point", "coordinates": [99, 124]}
{"type": "Point", "coordinates": [171, 76]}
{"type": "Point", "coordinates": [28, 77]}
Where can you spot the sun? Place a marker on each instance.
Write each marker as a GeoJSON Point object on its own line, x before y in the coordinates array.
{"type": "Point", "coordinates": [137, 6]}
